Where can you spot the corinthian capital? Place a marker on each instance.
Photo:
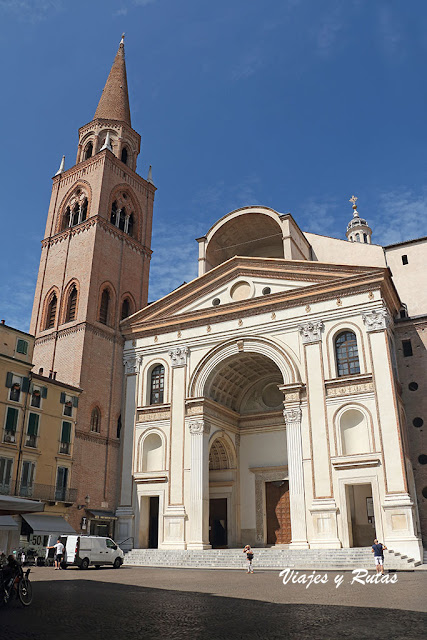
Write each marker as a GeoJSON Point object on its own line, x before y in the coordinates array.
{"type": "Point", "coordinates": [199, 427]}
{"type": "Point", "coordinates": [292, 415]}
{"type": "Point", "coordinates": [178, 356]}
{"type": "Point", "coordinates": [311, 331]}
{"type": "Point", "coordinates": [132, 363]}
{"type": "Point", "coordinates": [376, 319]}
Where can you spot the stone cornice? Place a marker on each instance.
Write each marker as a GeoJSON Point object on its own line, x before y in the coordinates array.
{"type": "Point", "coordinates": [255, 306]}
{"type": "Point", "coordinates": [103, 224]}
{"type": "Point", "coordinates": [109, 333]}
{"type": "Point", "coordinates": [240, 266]}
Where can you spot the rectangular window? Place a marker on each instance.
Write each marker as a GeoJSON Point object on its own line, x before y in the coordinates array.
{"type": "Point", "coordinates": [5, 475]}
{"type": "Point", "coordinates": [404, 259]}
{"type": "Point", "coordinates": [11, 425]}
{"type": "Point", "coordinates": [22, 347]}
{"type": "Point", "coordinates": [36, 396]}
{"type": "Point", "coordinates": [61, 484]}
{"type": "Point", "coordinates": [65, 444]}
{"type": "Point", "coordinates": [32, 430]}
{"type": "Point", "coordinates": [27, 477]}
{"type": "Point", "coordinates": [407, 348]}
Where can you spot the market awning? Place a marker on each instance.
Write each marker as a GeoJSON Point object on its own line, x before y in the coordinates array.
{"type": "Point", "coordinates": [7, 523]}
{"type": "Point", "coordinates": [48, 525]}
{"type": "Point", "coordinates": [102, 515]}
{"type": "Point", "coordinates": [12, 504]}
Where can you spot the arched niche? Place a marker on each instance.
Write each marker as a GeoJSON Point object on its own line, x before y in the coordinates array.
{"type": "Point", "coordinates": [152, 453]}
{"type": "Point", "coordinates": [354, 432]}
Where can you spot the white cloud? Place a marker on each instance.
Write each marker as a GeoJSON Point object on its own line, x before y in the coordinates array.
{"type": "Point", "coordinates": [248, 65]}
{"type": "Point", "coordinates": [389, 31]}
{"type": "Point", "coordinates": [31, 10]}
{"type": "Point", "coordinates": [121, 12]}
{"type": "Point", "coordinates": [401, 217]}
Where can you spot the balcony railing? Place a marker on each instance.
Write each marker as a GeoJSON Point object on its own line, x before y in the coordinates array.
{"type": "Point", "coordinates": [5, 490]}
{"type": "Point", "coordinates": [47, 492]}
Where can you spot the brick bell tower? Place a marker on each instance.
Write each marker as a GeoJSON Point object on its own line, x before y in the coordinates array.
{"type": "Point", "coordinates": [93, 273]}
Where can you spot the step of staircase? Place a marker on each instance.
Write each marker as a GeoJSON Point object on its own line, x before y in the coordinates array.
{"type": "Point", "coordinates": [267, 558]}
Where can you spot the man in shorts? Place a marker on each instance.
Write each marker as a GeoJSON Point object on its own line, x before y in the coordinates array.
{"type": "Point", "coordinates": [378, 551]}
{"type": "Point", "coordinates": [59, 551]}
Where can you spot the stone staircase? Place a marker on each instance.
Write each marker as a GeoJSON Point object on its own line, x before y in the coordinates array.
{"type": "Point", "coordinates": [267, 558]}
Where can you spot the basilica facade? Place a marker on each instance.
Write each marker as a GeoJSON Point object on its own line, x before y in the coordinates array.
{"type": "Point", "coordinates": [262, 400]}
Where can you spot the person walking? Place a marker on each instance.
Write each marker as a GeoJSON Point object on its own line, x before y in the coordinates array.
{"type": "Point", "coordinates": [249, 557]}
{"type": "Point", "coordinates": [59, 551]}
{"type": "Point", "coordinates": [378, 551]}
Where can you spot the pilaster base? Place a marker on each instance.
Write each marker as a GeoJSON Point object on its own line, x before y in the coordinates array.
{"type": "Point", "coordinates": [124, 528]}
{"type": "Point", "coordinates": [299, 545]}
{"type": "Point", "coordinates": [400, 526]}
{"type": "Point", "coordinates": [324, 523]}
{"type": "Point", "coordinates": [198, 545]}
{"type": "Point", "coordinates": [174, 528]}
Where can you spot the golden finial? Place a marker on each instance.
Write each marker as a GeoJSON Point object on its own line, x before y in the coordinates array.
{"type": "Point", "coordinates": [122, 41]}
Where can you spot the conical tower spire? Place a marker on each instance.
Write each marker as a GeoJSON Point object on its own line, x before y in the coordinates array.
{"type": "Point", "coordinates": [114, 101]}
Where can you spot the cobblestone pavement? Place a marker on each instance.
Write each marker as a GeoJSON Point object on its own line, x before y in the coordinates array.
{"type": "Point", "coordinates": [149, 603]}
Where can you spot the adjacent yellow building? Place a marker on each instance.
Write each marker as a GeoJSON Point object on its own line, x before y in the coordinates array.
{"type": "Point", "coordinates": [37, 418]}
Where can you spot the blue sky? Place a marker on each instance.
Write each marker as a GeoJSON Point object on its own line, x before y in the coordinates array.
{"type": "Point", "coordinates": [293, 104]}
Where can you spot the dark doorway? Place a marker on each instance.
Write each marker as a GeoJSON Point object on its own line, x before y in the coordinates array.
{"type": "Point", "coordinates": [218, 522]}
{"type": "Point", "coordinates": [153, 530]}
{"type": "Point", "coordinates": [278, 512]}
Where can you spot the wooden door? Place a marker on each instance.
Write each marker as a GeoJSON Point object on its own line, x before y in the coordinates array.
{"type": "Point", "coordinates": [278, 513]}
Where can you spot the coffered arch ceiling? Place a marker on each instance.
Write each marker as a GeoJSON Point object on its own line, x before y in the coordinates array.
{"type": "Point", "coordinates": [251, 234]}
{"type": "Point", "coordinates": [246, 382]}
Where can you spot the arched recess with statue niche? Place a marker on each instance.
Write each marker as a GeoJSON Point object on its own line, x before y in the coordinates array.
{"type": "Point", "coordinates": [239, 381]}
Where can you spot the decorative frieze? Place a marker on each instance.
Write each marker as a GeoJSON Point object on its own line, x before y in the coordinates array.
{"type": "Point", "coordinates": [178, 356]}
{"type": "Point", "coordinates": [349, 389]}
{"type": "Point", "coordinates": [311, 332]}
{"type": "Point", "coordinates": [376, 319]}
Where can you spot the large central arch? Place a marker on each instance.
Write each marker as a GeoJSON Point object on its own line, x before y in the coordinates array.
{"type": "Point", "coordinates": [242, 346]}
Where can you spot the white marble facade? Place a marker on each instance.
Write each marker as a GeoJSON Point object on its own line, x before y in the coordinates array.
{"type": "Point", "coordinates": [252, 395]}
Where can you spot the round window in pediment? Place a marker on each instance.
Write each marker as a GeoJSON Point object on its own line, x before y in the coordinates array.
{"type": "Point", "coordinates": [240, 291]}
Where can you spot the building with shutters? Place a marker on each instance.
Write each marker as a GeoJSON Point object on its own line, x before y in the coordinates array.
{"type": "Point", "coordinates": [38, 416]}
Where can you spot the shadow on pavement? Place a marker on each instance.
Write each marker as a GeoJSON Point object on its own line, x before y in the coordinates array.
{"type": "Point", "coordinates": [88, 609]}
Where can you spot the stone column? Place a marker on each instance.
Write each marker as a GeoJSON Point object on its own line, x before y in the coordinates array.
{"type": "Point", "coordinates": [323, 509]}
{"type": "Point", "coordinates": [398, 508]}
{"type": "Point", "coordinates": [199, 491]}
{"type": "Point", "coordinates": [174, 517]}
{"type": "Point", "coordinates": [125, 511]}
{"type": "Point", "coordinates": [292, 417]}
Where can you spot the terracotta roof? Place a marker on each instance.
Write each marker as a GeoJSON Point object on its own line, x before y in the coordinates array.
{"type": "Point", "coordinates": [114, 101]}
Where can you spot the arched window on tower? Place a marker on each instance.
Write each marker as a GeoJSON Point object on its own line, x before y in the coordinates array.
{"type": "Point", "coordinates": [124, 155]}
{"type": "Point", "coordinates": [125, 309]}
{"type": "Point", "coordinates": [122, 219]}
{"type": "Point", "coordinates": [83, 210]}
{"type": "Point", "coordinates": [51, 312]}
{"type": "Point", "coordinates": [157, 384]}
{"type": "Point", "coordinates": [71, 305]}
{"type": "Point", "coordinates": [104, 307]}
{"type": "Point", "coordinates": [130, 225]}
{"type": "Point", "coordinates": [66, 218]}
{"type": "Point", "coordinates": [76, 212]}
{"type": "Point", "coordinates": [357, 237]}
{"type": "Point", "coordinates": [88, 151]}
{"type": "Point", "coordinates": [95, 420]}
{"type": "Point", "coordinates": [113, 217]}
{"type": "Point", "coordinates": [346, 353]}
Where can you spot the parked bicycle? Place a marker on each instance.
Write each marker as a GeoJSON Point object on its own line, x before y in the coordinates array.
{"type": "Point", "coordinates": [14, 583]}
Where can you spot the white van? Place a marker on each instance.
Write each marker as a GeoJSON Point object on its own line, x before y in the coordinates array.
{"type": "Point", "coordinates": [83, 551]}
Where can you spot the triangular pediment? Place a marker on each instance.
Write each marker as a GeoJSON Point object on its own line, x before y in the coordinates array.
{"type": "Point", "coordinates": [248, 282]}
